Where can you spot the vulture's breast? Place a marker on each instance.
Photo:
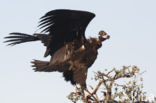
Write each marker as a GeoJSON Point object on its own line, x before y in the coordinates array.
{"type": "Point", "coordinates": [89, 56]}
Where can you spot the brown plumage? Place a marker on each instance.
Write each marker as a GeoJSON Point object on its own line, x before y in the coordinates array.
{"type": "Point", "coordinates": [76, 64]}
{"type": "Point", "coordinates": [71, 53]}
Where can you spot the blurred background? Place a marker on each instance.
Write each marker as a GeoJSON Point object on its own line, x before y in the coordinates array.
{"type": "Point", "coordinates": [130, 23]}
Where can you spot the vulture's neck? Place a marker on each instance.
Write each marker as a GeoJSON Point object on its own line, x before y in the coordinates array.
{"type": "Point", "coordinates": [95, 43]}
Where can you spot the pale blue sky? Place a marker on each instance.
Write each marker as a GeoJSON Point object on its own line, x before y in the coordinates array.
{"type": "Point", "coordinates": [130, 23]}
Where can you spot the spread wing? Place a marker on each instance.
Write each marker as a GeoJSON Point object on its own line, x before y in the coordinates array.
{"type": "Point", "coordinates": [61, 26]}
{"type": "Point", "coordinates": [64, 26]}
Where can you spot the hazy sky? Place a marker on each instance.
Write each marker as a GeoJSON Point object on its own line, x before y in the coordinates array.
{"type": "Point", "coordinates": [130, 23]}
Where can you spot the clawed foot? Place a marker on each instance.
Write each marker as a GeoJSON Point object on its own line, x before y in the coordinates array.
{"type": "Point", "coordinates": [85, 93]}
{"type": "Point", "coordinates": [78, 90]}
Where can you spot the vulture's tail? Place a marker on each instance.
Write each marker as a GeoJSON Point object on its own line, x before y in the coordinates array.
{"type": "Point", "coordinates": [44, 66]}
{"type": "Point", "coordinates": [40, 66]}
{"type": "Point", "coordinates": [17, 38]}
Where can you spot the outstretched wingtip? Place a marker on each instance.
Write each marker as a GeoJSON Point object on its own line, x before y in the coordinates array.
{"type": "Point", "coordinates": [17, 38]}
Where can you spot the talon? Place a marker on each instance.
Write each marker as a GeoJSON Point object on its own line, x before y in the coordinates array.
{"type": "Point", "coordinates": [78, 90]}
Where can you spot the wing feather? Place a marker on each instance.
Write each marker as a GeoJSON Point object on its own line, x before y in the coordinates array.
{"type": "Point", "coordinates": [65, 26]}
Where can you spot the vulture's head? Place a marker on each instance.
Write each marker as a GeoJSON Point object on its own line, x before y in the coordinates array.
{"type": "Point", "coordinates": [103, 36]}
